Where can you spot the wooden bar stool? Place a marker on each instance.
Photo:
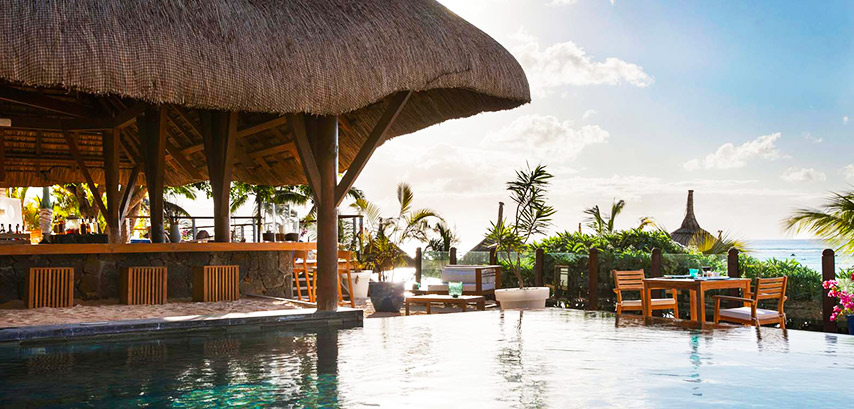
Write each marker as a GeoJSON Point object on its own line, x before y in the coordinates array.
{"type": "Point", "coordinates": [344, 269]}
{"type": "Point", "coordinates": [50, 287]}
{"type": "Point", "coordinates": [303, 267]}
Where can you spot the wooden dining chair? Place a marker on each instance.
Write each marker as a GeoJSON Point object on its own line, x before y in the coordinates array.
{"type": "Point", "coordinates": [750, 313]}
{"type": "Point", "coordinates": [633, 281]}
{"type": "Point", "coordinates": [300, 266]}
{"type": "Point", "coordinates": [345, 267]}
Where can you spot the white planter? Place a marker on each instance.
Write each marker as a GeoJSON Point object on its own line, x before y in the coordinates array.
{"type": "Point", "coordinates": [360, 283]}
{"type": "Point", "coordinates": [522, 298]}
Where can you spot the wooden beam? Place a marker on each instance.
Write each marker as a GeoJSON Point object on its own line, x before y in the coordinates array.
{"type": "Point", "coordinates": [110, 145]}
{"type": "Point", "coordinates": [219, 132]}
{"type": "Point", "coordinates": [306, 155]}
{"type": "Point", "coordinates": [182, 160]}
{"type": "Point", "coordinates": [374, 140]}
{"type": "Point", "coordinates": [2, 155]}
{"type": "Point", "coordinates": [127, 191]}
{"type": "Point", "coordinates": [128, 116]}
{"type": "Point", "coordinates": [285, 147]}
{"type": "Point", "coordinates": [75, 153]}
{"type": "Point", "coordinates": [262, 127]}
{"type": "Point", "coordinates": [36, 100]}
{"type": "Point", "coordinates": [57, 125]}
{"type": "Point", "coordinates": [152, 138]}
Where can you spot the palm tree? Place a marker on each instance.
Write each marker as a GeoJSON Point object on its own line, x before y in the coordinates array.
{"type": "Point", "coordinates": [604, 224]}
{"type": "Point", "coordinates": [833, 221]}
{"type": "Point", "coordinates": [445, 239]}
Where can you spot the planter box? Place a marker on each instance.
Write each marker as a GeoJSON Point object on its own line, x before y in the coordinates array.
{"type": "Point", "coordinates": [522, 298]}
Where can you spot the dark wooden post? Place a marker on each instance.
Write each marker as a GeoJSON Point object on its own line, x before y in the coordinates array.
{"type": "Point", "coordinates": [452, 256]}
{"type": "Point", "coordinates": [828, 272]}
{"type": "Point", "coordinates": [152, 130]}
{"type": "Point", "coordinates": [732, 263]}
{"type": "Point", "coordinates": [539, 266]}
{"type": "Point", "coordinates": [655, 259]}
{"type": "Point", "coordinates": [325, 129]}
{"type": "Point", "coordinates": [418, 265]}
{"type": "Point", "coordinates": [493, 257]}
{"type": "Point", "coordinates": [593, 280]}
{"type": "Point", "coordinates": [219, 131]}
{"type": "Point", "coordinates": [110, 146]}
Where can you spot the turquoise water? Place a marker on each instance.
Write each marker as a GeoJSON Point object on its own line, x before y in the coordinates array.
{"type": "Point", "coordinates": [536, 359]}
{"type": "Point", "coordinates": [806, 252]}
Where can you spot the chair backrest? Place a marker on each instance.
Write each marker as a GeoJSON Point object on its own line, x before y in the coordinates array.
{"type": "Point", "coordinates": [347, 256]}
{"type": "Point", "coordinates": [628, 280]}
{"type": "Point", "coordinates": [770, 288]}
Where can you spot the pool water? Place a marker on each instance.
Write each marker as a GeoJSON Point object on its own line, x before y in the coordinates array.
{"type": "Point", "coordinates": [551, 358]}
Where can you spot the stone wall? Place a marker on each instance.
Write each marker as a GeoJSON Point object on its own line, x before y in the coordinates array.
{"type": "Point", "coordinates": [96, 276]}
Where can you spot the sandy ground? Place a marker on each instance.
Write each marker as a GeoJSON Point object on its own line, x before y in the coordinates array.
{"type": "Point", "coordinates": [14, 315]}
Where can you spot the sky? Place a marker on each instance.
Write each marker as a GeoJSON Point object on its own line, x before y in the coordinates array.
{"type": "Point", "coordinates": [747, 103]}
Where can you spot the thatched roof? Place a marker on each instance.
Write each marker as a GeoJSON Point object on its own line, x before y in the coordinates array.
{"type": "Point", "coordinates": [262, 58]}
{"type": "Point", "coordinates": [690, 229]}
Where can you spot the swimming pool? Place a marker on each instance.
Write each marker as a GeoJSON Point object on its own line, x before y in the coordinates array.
{"type": "Point", "coordinates": [551, 358]}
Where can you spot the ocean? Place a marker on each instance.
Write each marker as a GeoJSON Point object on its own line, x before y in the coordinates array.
{"type": "Point", "coordinates": [807, 252]}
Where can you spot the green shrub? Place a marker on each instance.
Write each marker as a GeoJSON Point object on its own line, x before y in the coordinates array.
{"type": "Point", "coordinates": [804, 282]}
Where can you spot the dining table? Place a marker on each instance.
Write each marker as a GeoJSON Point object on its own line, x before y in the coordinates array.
{"type": "Point", "coordinates": [697, 286]}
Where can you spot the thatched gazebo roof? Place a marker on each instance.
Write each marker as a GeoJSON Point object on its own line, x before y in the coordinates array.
{"type": "Point", "coordinates": [87, 66]}
{"type": "Point", "coordinates": [690, 231]}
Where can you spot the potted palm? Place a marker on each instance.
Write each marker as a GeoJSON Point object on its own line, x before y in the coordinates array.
{"type": "Point", "coordinates": [531, 217]}
{"type": "Point", "coordinates": [382, 256]}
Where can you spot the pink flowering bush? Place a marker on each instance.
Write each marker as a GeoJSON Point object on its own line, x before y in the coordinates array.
{"type": "Point", "coordinates": [843, 290]}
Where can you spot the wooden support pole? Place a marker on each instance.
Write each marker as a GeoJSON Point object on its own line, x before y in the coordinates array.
{"type": "Point", "coordinates": [418, 257]}
{"type": "Point", "coordinates": [539, 267]}
{"type": "Point", "coordinates": [828, 272]}
{"type": "Point", "coordinates": [2, 156]}
{"type": "Point", "coordinates": [219, 131]}
{"type": "Point", "coordinates": [655, 271]}
{"type": "Point", "coordinates": [732, 263]}
{"type": "Point", "coordinates": [593, 280]}
{"type": "Point", "coordinates": [325, 149]}
{"type": "Point", "coordinates": [110, 144]}
{"type": "Point", "coordinates": [152, 137]}
{"type": "Point", "coordinates": [127, 191]}
{"type": "Point", "coordinates": [452, 256]}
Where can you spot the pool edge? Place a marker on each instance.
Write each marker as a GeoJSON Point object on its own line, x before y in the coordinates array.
{"type": "Point", "coordinates": [296, 319]}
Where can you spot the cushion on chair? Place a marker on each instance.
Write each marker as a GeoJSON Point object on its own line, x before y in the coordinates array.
{"type": "Point", "coordinates": [466, 287]}
{"type": "Point", "coordinates": [656, 302]}
{"type": "Point", "coordinates": [743, 313]}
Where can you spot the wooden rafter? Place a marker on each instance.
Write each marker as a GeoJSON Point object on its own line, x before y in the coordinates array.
{"type": "Point", "coordinates": [127, 191]}
{"type": "Point", "coordinates": [128, 116]}
{"type": "Point", "coordinates": [57, 125]}
{"type": "Point", "coordinates": [309, 165]}
{"type": "Point", "coordinates": [374, 140]}
{"type": "Point", "coordinates": [261, 127]}
{"type": "Point", "coordinates": [47, 103]}
{"type": "Point", "coordinates": [75, 153]}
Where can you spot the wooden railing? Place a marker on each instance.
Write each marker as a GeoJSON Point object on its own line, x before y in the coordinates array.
{"type": "Point", "coordinates": [50, 287]}
{"type": "Point", "coordinates": [143, 285]}
{"type": "Point", "coordinates": [216, 283]}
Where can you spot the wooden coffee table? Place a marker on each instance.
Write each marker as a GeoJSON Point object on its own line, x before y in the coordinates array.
{"type": "Point", "coordinates": [462, 301]}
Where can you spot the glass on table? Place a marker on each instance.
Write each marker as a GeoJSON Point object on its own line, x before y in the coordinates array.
{"type": "Point", "coordinates": [455, 288]}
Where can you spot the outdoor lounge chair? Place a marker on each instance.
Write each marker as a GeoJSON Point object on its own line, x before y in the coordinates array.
{"type": "Point", "coordinates": [633, 281]}
{"type": "Point", "coordinates": [750, 313]}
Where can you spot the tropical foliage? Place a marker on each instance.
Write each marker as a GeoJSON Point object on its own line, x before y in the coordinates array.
{"type": "Point", "coordinates": [604, 223]}
{"type": "Point", "coordinates": [833, 221]}
{"type": "Point", "coordinates": [532, 216]}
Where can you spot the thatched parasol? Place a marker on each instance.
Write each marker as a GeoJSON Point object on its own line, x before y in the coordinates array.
{"type": "Point", "coordinates": [268, 92]}
{"type": "Point", "coordinates": [99, 58]}
{"type": "Point", "coordinates": [690, 231]}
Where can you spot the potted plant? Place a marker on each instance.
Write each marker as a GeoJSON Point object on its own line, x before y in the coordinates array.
{"type": "Point", "coordinates": [382, 255]}
{"type": "Point", "coordinates": [361, 277]}
{"type": "Point", "coordinates": [842, 289]}
{"type": "Point", "coordinates": [531, 217]}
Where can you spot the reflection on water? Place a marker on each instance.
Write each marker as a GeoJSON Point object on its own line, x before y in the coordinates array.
{"type": "Point", "coordinates": [535, 359]}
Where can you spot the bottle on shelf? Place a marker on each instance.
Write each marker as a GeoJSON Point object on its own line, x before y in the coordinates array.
{"type": "Point", "coordinates": [2, 229]}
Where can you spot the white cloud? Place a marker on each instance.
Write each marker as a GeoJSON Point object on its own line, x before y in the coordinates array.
{"type": "Point", "coordinates": [803, 175]}
{"type": "Point", "coordinates": [848, 172]}
{"type": "Point", "coordinates": [808, 136]}
{"type": "Point", "coordinates": [729, 156]}
{"type": "Point", "coordinates": [562, 2]}
{"type": "Point", "coordinates": [568, 64]}
{"type": "Point", "coordinates": [845, 120]}
{"type": "Point", "coordinates": [588, 113]}
{"type": "Point", "coordinates": [546, 136]}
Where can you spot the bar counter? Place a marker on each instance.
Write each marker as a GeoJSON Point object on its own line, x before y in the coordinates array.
{"type": "Point", "coordinates": [40, 249]}
{"type": "Point", "coordinates": [265, 268]}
